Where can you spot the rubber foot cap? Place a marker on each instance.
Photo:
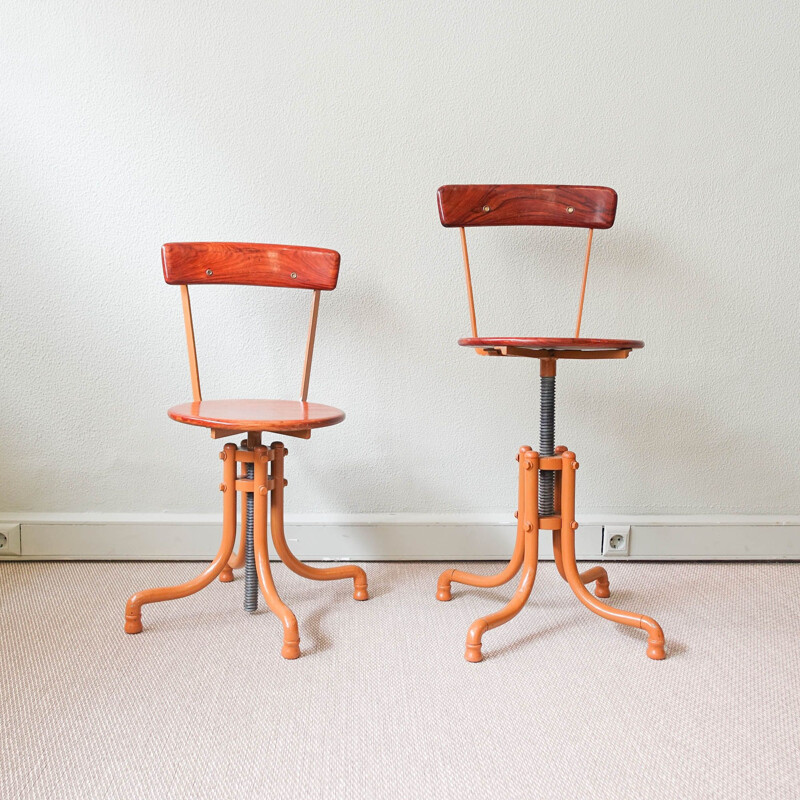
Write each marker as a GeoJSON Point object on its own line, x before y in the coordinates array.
{"type": "Point", "coordinates": [656, 652]}
{"type": "Point", "coordinates": [290, 650]}
{"type": "Point", "coordinates": [133, 625]}
{"type": "Point", "coordinates": [473, 653]}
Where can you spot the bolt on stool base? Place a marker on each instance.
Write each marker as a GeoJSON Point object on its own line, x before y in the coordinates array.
{"type": "Point", "coordinates": [255, 485]}
{"type": "Point", "coordinates": [526, 555]}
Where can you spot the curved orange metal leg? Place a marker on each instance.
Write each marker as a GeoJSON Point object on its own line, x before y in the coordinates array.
{"type": "Point", "coordinates": [133, 609]}
{"type": "Point", "coordinates": [655, 642]}
{"type": "Point", "coordinates": [529, 519]}
{"type": "Point", "coordinates": [594, 574]}
{"type": "Point", "coordinates": [287, 556]}
{"type": "Point", "coordinates": [236, 561]}
{"type": "Point", "coordinates": [291, 635]}
{"type": "Point", "coordinates": [443, 588]}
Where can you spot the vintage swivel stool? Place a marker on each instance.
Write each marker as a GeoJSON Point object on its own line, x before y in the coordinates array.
{"type": "Point", "coordinates": [254, 265]}
{"type": "Point", "coordinates": [546, 499]}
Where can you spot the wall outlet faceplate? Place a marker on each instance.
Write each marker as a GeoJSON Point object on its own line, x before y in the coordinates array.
{"type": "Point", "coordinates": [9, 540]}
{"type": "Point", "coordinates": [616, 540]}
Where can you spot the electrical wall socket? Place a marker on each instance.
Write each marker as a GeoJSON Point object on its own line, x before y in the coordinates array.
{"type": "Point", "coordinates": [616, 540]}
{"type": "Point", "coordinates": [9, 540]}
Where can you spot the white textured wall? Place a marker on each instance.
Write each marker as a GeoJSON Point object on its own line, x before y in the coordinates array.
{"type": "Point", "coordinates": [125, 125]}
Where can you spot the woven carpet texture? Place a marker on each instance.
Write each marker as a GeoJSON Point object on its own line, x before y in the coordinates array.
{"type": "Point", "coordinates": [382, 705]}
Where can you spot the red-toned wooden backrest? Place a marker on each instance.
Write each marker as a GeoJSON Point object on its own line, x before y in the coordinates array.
{"type": "Point", "coordinates": [250, 264]}
{"type": "Point", "coordinates": [472, 205]}
{"type": "Point", "coordinates": [465, 206]}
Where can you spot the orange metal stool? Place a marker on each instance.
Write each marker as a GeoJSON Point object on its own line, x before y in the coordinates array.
{"type": "Point", "coordinates": [546, 494]}
{"type": "Point", "coordinates": [259, 478]}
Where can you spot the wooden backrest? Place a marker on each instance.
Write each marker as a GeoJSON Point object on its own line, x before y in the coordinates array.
{"type": "Point", "coordinates": [277, 265]}
{"type": "Point", "coordinates": [466, 206]}
{"type": "Point", "coordinates": [250, 264]}
{"type": "Point", "coordinates": [474, 205]}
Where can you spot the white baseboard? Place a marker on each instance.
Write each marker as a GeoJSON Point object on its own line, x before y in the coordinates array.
{"type": "Point", "coordinates": [393, 537]}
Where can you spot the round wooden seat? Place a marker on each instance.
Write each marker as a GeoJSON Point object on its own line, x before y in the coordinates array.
{"type": "Point", "coordinates": [553, 344]}
{"type": "Point", "coordinates": [257, 415]}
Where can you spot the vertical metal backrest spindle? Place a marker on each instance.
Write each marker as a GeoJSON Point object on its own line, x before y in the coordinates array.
{"type": "Point", "coordinates": [467, 272]}
{"type": "Point", "coordinates": [190, 345]}
{"type": "Point", "coordinates": [583, 284]}
{"type": "Point", "coordinates": [312, 332]}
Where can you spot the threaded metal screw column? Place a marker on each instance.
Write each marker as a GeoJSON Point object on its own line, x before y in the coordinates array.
{"type": "Point", "coordinates": [250, 576]}
{"type": "Point", "coordinates": [547, 426]}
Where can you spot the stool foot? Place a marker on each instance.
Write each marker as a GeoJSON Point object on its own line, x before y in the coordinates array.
{"type": "Point", "coordinates": [475, 635]}
{"type": "Point", "coordinates": [133, 623]}
{"type": "Point", "coordinates": [360, 590]}
{"type": "Point", "coordinates": [656, 652]}
{"type": "Point", "coordinates": [602, 588]}
{"type": "Point", "coordinates": [599, 577]}
{"type": "Point", "coordinates": [226, 576]}
{"type": "Point", "coordinates": [655, 641]}
{"type": "Point", "coordinates": [473, 653]}
{"type": "Point", "coordinates": [290, 650]}
{"type": "Point", "coordinates": [443, 588]}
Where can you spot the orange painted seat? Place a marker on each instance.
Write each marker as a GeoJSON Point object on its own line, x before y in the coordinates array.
{"type": "Point", "coordinates": [534, 343]}
{"type": "Point", "coordinates": [257, 415]}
